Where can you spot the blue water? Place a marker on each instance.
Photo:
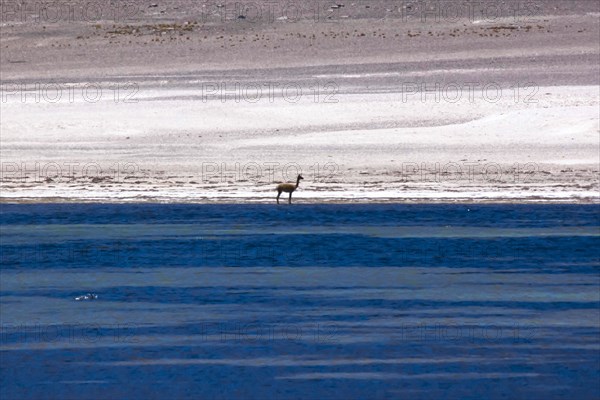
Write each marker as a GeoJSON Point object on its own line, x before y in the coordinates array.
{"type": "Point", "coordinates": [300, 302]}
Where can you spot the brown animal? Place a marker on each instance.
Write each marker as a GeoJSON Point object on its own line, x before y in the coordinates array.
{"type": "Point", "coordinates": [288, 188]}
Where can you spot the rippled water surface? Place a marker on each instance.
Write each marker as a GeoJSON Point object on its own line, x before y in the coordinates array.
{"type": "Point", "coordinates": [303, 302]}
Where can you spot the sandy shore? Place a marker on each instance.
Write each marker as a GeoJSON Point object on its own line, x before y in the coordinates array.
{"type": "Point", "coordinates": [184, 106]}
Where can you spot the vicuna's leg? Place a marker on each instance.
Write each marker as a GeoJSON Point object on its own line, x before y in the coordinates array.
{"type": "Point", "coordinates": [290, 200]}
{"type": "Point", "coordinates": [278, 194]}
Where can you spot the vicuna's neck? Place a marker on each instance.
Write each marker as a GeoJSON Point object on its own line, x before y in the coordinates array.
{"type": "Point", "coordinates": [298, 182]}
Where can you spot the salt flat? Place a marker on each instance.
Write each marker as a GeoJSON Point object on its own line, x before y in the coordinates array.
{"type": "Point", "coordinates": [173, 146]}
{"type": "Point", "coordinates": [179, 104]}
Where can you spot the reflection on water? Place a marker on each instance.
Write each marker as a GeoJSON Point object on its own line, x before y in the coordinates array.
{"type": "Point", "coordinates": [335, 301]}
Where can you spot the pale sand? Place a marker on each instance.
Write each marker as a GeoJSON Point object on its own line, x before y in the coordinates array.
{"type": "Point", "coordinates": [172, 149]}
{"type": "Point", "coordinates": [373, 144]}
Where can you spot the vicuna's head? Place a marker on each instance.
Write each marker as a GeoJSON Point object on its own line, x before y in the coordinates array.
{"type": "Point", "coordinates": [300, 177]}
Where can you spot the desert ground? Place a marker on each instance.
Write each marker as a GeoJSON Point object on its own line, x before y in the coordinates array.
{"type": "Point", "coordinates": [182, 101]}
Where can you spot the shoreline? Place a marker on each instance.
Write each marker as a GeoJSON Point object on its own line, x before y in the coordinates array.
{"type": "Point", "coordinates": [303, 201]}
